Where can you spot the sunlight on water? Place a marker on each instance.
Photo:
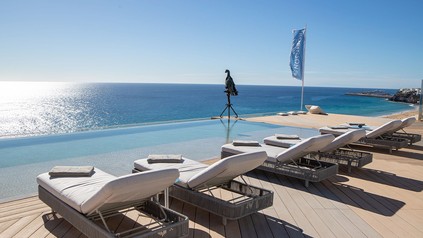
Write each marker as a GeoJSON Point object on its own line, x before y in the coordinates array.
{"type": "Point", "coordinates": [28, 108]}
{"type": "Point", "coordinates": [44, 108]}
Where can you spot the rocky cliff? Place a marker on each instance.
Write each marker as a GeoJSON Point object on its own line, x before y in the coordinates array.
{"type": "Point", "coordinates": [408, 95]}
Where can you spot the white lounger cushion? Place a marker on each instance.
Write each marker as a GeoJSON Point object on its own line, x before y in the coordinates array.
{"type": "Point", "coordinates": [284, 143]}
{"type": "Point", "coordinates": [406, 122]}
{"type": "Point", "coordinates": [312, 144]}
{"type": "Point", "coordinates": [389, 126]}
{"type": "Point", "coordinates": [340, 141]}
{"type": "Point", "coordinates": [227, 169]}
{"type": "Point", "coordinates": [187, 168]}
{"type": "Point", "coordinates": [102, 190]}
{"type": "Point", "coordinates": [194, 174]}
{"type": "Point", "coordinates": [344, 139]}
{"type": "Point", "coordinates": [272, 151]}
{"type": "Point", "coordinates": [374, 133]}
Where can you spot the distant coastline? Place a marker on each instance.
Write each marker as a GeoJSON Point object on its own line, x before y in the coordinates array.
{"type": "Point", "coordinates": [405, 95]}
{"type": "Point", "coordinates": [375, 93]}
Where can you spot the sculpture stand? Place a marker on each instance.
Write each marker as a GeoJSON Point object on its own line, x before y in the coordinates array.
{"type": "Point", "coordinates": [229, 107]}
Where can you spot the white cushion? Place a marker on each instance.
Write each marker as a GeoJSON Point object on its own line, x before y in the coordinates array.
{"type": "Point", "coordinates": [319, 142]}
{"type": "Point", "coordinates": [407, 122]}
{"type": "Point", "coordinates": [227, 169]}
{"type": "Point", "coordinates": [312, 144]}
{"type": "Point", "coordinates": [336, 132]}
{"type": "Point", "coordinates": [385, 128]}
{"type": "Point", "coordinates": [187, 168]}
{"type": "Point", "coordinates": [284, 143]}
{"type": "Point", "coordinates": [194, 174]}
{"type": "Point", "coordinates": [272, 151]}
{"type": "Point", "coordinates": [344, 139]}
{"type": "Point", "coordinates": [102, 190]}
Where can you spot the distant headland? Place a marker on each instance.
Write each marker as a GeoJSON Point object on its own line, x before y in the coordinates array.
{"type": "Point", "coordinates": [373, 93]}
{"type": "Point", "coordinates": [407, 95]}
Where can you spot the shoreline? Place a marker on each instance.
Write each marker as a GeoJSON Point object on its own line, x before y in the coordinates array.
{"type": "Point", "coordinates": [317, 121]}
{"type": "Point", "coordinates": [404, 114]}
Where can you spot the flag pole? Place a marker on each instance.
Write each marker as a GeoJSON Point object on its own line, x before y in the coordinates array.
{"type": "Point", "coordinates": [302, 73]}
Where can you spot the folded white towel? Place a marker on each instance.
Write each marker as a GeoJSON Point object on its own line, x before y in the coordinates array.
{"type": "Point", "coordinates": [356, 124]}
{"type": "Point", "coordinates": [245, 143]}
{"type": "Point", "coordinates": [339, 127]}
{"type": "Point", "coordinates": [164, 159]}
{"type": "Point", "coordinates": [71, 171]}
{"type": "Point", "coordinates": [287, 137]}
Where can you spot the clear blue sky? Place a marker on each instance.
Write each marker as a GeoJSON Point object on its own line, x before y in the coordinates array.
{"type": "Point", "coordinates": [364, 43]}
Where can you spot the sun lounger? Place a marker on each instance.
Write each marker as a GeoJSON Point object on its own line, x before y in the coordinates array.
{"type": "Point", "coordinates": [333, 152]}
{"type": "Point", "coordinates": [294, 161]}
{"type": "Point", "coordinates": [401, 133]}
{"type": "Point", "coordinates": [197, 182]}
{"type": "Point", "coordinates": [86, 202]}
{"type": "Point", "coordinates": [375, 137]}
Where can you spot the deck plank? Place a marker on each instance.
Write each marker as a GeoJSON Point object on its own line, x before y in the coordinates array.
{"type": "Point", "coordinates": [31, 227]}
{"type": "Point", "coordinates": [276, 226]}
{"type": "Point", "coordinates": [6, 224]}
{"type": "Point", "coordinates": [310, 214]}
{"type": "Point", "coordinates": [51, 221]}
{"type": "Point", "coordinates": [232, 228]}
{"type": "Point", "coordinates": [247, 227]}
{"type": "Point", "coordinates": [19, 225]}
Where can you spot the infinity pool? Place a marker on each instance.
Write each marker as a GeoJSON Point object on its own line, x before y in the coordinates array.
{"type": "Point", "coordinates": [114, 150]}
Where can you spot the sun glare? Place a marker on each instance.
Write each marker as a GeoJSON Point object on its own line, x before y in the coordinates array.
{"type": "Point", "coordinates": [12, 91]}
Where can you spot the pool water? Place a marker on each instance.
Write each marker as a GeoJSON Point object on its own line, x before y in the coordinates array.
{"type": "Point", "coordinates": [114, 150]}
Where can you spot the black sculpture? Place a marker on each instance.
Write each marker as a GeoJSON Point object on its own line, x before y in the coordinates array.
{"type": "Point", "coordinates": [230, 90]}
{"type": "Point", "coordinates": [229, 84]}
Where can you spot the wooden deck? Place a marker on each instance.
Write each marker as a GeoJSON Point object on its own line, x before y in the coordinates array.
{"type": "Point", "coordinates": [384, 199]}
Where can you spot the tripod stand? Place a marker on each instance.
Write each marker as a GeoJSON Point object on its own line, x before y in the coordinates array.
{"type": "Point", "coordinates": [229, 107]}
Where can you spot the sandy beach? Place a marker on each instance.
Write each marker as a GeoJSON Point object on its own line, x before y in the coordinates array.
{"type": "Point", "coordinates": [316, 121]}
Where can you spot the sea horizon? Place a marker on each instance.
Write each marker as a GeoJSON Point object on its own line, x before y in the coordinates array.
{"type": "Point", "coordinates": [45, 108]}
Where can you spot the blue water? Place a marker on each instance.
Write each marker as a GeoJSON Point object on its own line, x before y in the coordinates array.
{"type": "Point", "coordinates": [115, 150]}
{"type": "Point", "coordinates": [30, 150]}
{"type": "Point", "coordinates": [28, 109]}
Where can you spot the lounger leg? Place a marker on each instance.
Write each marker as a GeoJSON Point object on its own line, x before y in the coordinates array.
{"type": "Point", "coordinates": [307, 183]}
{"type": "Point", "coordinates": [104, 221]}
{"type": "Point", "coordinates": [224, 221]}
{"type": "Point", "coordinates": [349, 166]}
{"type": "Point", "coordinates": [166, 198]}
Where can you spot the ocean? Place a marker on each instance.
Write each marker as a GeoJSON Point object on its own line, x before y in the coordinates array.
{"type": "Point", "coordinates": [45, 108]}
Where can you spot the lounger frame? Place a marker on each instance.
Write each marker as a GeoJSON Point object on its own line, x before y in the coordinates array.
{"type": "Point", "coordinates": [391, 143]}
{"type": "Point", "coordinates": [347, 157]}
{"type": "Point", "coordinates": [309, 170]}
{"type": "Point", "coordinates": [253, 199]}
{"type": "Point", "coordinates": [413, 138]}
{"type": "Point", "coordinates": [168, 223]}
